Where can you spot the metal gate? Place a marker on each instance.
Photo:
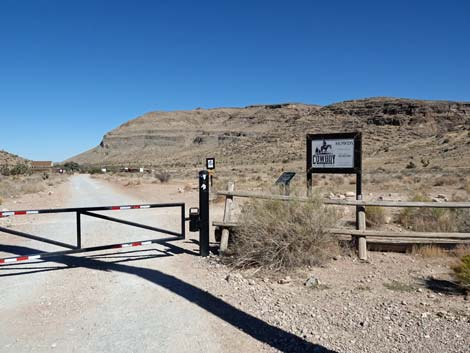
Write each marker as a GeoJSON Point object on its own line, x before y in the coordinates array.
{"type": "Point", "coordinates": [198, 222]}
{"type": "Point", "coordinates": [90, 212]}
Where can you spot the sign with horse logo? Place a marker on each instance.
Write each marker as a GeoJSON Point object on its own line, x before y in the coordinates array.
{"type": "Point", "coordinates": [337, 153]}
{"type": "Point", "coordinates": [334, 153]}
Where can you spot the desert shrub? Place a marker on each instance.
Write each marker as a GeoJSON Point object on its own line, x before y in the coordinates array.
{"type": "Point", "coordinates": [72, 167]}
{"type": "Point", "coordinates": [375, 216]}
{"type": "Point", "coordinates": [93, 171]}
{"type": "Point", "coordinates": [4, 170]}
{"type": "Point", "coordinates": [277, 235]}
{"type": "Point", "coordinates": [338, 180]}
{"type": "Point", "coordinates": [20, 169]}
{"type": "Point", "coordinates": [163, 176]}
{"type": "Point", "coordinates": [466, 185]}
{"type": "Point", "coordinates": [444, 180]}
{"type": "Point", "coordinates": [427, 219]}
{"type": "Point", "coordinates": [462, 271]}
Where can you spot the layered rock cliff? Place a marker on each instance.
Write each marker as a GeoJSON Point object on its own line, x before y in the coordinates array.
{"type": "Point", "coordinates": [393, 128]}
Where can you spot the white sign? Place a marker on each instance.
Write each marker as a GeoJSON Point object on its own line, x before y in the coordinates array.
{"type": "Point", "coordinates": [333, 153]}
{"type": "Point", "coordinates": [210, 163]}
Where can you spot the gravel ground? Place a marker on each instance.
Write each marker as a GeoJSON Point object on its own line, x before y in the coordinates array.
{"type": "Point", "coordinates": [149, 300]}
{"type": "Point", "coordinates": [394, 303]}
{"type": "Point", "coordinates": [138, 300]}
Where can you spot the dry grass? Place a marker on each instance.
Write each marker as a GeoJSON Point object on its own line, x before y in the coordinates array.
{"type": "Point", "coordinates": [14, 186]}
{"type": "Point", "coordinates": [429, 251]}
{"type": "Point", "coordinates": [428, 219]}
{"type": "Point", "coordinates": [277, 235]}
{"type": "Point", "coordinates": [375, 216]}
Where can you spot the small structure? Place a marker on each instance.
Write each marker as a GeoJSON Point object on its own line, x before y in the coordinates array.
{"type": "Point", "coordinates": [41, 166]}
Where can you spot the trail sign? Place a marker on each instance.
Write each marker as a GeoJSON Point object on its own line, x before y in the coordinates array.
{"type": "Point", "coordinates": [285, 178]}
{"type": "Point", "coordinates": [334, 153]}
{"type": "Point", "coordinates": [210, 163]}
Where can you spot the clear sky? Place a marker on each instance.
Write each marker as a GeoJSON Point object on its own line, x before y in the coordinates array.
{"type": "Point", "coordinates": [72, 70]}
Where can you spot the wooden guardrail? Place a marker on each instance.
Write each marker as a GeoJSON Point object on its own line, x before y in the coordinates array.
{"type": "Point", "coordinates": [361, 234]}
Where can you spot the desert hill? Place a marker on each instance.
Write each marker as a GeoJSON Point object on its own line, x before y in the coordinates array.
{"type": "Point", "coordinates": [432, 134]}
{"type": "Point", "coordinates": [9, 159]}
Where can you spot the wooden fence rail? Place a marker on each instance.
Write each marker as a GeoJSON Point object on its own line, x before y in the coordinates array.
{"type": "Point", "coordinates": [360, 234]}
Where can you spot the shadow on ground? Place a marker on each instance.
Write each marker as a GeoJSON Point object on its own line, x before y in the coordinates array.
{"type": "Point", "coordinates": [443, 286]}
{"type": "Point", "coordinates": [258, 329]}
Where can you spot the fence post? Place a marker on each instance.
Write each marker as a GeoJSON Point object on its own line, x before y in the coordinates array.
{"type": "Point", "coordinates": [227, 217]}
{"type": "Point", "coordinates": [204, 213]}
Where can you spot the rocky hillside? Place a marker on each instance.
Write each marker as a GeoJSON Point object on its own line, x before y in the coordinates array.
{"type": "Point", "coordinates": [271, 137]}
{"type": "Point", "coordinates": [8, 159]}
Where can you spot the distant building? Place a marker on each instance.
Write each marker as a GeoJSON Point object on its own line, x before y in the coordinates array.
{"type": "Point", "coordinates": [42, 166]}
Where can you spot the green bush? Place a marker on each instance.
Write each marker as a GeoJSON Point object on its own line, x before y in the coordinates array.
{"type": "Point", "coordinates": [462, 271]}
{"type": "Point", "coordinates": [277, 235]}
{"type": "Point", "coordinates": [20, 169]}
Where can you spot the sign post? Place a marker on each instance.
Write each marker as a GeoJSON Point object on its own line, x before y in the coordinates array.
{"type": "Point", "coordinates": [337, 153]}
{"type": "Point", "coordinates": [210, 166]}
{"type": "Point", "coordinates": [204, 213]}
{"type": "Point", "coordinates": [284, 182]}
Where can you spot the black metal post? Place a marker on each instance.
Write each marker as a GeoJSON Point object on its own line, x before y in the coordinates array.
{"type": "Point", "coordinates": [183, 221]}
{"type": "Point", "coordinates": [204, 213]}
{"type": "Point", "coordinates": [358, 197]}
{"type": "Point", "coordinates": [79, 231]}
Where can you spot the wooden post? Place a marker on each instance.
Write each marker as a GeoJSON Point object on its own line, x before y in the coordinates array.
{"type": "Point", "coordinates": [362, 241]}
{"type": "Point", "coordinates": [227, 217]}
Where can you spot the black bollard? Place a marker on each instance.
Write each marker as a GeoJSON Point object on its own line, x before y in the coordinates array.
{"type": "Point", "coordinates": [204, 213]}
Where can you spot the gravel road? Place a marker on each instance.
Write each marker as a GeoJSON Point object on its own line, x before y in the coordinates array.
{"type": "Point", "coordinates": [138, 300]}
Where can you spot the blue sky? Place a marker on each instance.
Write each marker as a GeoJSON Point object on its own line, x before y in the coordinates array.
{"type": "Point", "coordinates": [72, 70]}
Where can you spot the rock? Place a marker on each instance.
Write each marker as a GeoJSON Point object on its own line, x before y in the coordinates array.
{"type": "Point", "coordinates": [285, 280]}
{"type": "Point", "coordinates": [234, 278]}
{"type": "Point", "coordinates": [441, 196]}
{"type": "Point", "coordinates": [350, 194]}
{"type": "Point", "coordinates": [312, 282]}
{"type": "Point", "coordinates": [180, 190]}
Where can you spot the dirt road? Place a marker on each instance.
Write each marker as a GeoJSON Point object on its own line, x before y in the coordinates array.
{"type": "Point", "coordinates": [140, 300]}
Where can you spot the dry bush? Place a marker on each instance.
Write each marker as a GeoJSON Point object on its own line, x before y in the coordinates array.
{"type": "Point", "coordinates": [445, 180]}
{"type": "Point", "coordinates": [462, 271]}
{"type": "Point", "coordinates": [429, 251]}
{"type": "Point", "coordinates": [375, 216]}
{"type": "Point", "coordinates": [277, 235]}
{"type": "Point", "coordinates": [461, 250]}
{"type": "Point", "coordinates": [422, 219]}
{"type": "Point", "coordinates": [466, 186]}
{"type": "Point", "coordinates": [338, 180]}
{"type": "Point", "coordinates": [163, 176]}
